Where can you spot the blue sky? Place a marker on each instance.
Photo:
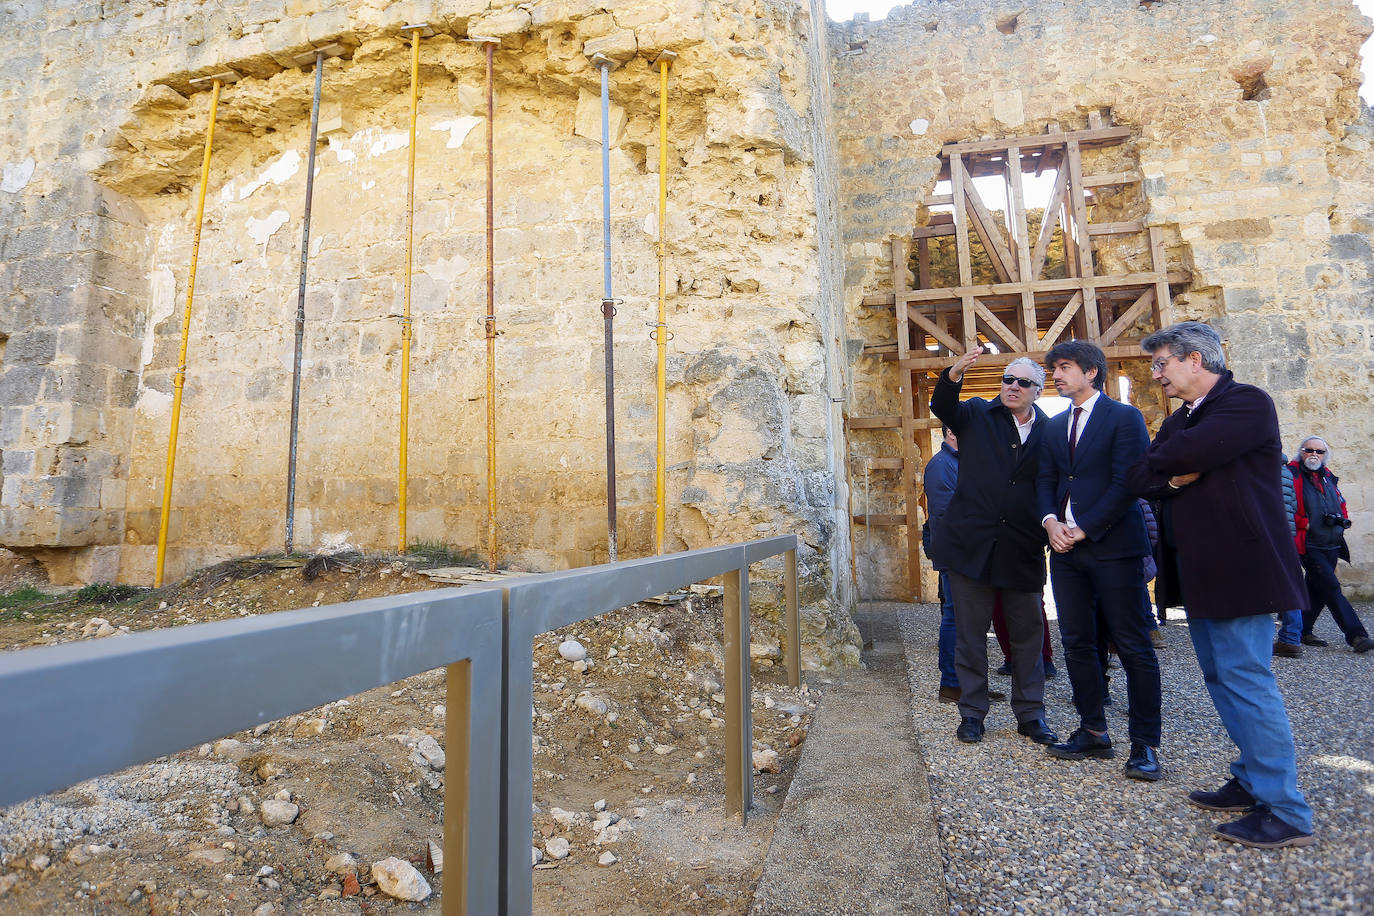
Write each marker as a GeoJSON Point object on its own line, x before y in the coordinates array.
{"type": "Point", "coordinates": [840, 10]}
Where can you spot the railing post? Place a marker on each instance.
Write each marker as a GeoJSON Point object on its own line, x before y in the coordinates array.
{"type": "Point", "coordinates": [739, 769]}
{"type": "Point", "coordinates": [792, 655]}
{"type": "Point", "coordinates": [457, 725]}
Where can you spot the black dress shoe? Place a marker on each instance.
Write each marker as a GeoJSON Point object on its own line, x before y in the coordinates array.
{"type": "Point", "coordinates": [995, 695]}
{"type": "Point", "coordinates": [1037, 731]}
{"type": "Point", "coordinates": [1005, 669]}
{"type": "Point", "coordinates": [1309, 640]}
{"type": "Point", "coordinates": [1144, 763]}
{"type": "Point", "coordinates": [1082, 743]}
{"type": "Point", "coordinates": [1231, 797]}
{"type": "Point", "coordinates": [970, 730]}
{"type": "Point", "coordinates": [1363, 645]}
{"type": "Point", "coordinates": [1260, 828]}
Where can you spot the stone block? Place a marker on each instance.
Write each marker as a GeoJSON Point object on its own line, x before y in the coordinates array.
{"type": "Point", "coordinates": [500, 23]}
{"type": "Point", "coordinates": [551, 12]}
{"type": "Point", "coordinates": [619, 46]}
{"type": "Point", "coordinates": [588, 123]}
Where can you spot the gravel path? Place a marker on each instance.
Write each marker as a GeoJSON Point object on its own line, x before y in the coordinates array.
{"type": "Point", "coordinates": [1025, 833]}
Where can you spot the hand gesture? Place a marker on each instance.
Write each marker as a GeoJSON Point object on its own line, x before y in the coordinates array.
{"type": "Point", "coordinates": [1061, 539]}
{"type": "Point", "coordinates": [956, 371]}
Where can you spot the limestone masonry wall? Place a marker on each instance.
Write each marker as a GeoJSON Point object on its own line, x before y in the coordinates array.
{"type": "Point", "coordinates": [102, 149]}
{"type": "Point", "coordinates": [1256, 158]}
{"type": "Point", "coordinates": [798, 148]}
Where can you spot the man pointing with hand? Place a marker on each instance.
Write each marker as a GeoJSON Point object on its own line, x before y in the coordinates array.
{"type": "Point", "coordinates": [991, 539]}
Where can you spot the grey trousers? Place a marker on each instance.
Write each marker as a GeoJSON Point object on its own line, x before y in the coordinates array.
{"type": "Point", "coordinates": [973, 605]}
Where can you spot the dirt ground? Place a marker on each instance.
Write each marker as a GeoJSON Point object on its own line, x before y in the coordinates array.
{"type": "Point", "coordinates": [629, 759]}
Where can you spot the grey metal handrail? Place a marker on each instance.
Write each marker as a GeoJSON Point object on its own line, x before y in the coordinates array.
{"type": "Point", "coordinates": [165, 690]}
{"type": "Point", "coordinates": [537, 604]}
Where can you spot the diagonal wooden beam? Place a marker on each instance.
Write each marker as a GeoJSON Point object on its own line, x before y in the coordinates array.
{"type": "Point", "coordinates": [1021, 239]}
{"type": "Point", "coordinates": [934, 330]}
{"type": "Point", "coordinates": [956, 181]}
{"type": "Point", "coordinates": [1085, 245]}
{"type": "Point", "coordinates": [1128, 318]}
{"type": "Point", "coordinates": [997, 327]}
{"type": "Point", "coordinates": [1047, 224]}
{"type": "Point", "coordinates": [1062, 322]}
{"type": "Point", "coordinates": [993, 243]}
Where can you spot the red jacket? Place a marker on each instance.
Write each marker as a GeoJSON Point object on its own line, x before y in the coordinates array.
{"type": "Point", "coordinates": [1300, 518]}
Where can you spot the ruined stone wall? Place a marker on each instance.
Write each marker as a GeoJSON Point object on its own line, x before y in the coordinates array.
{"type": "Point", "coordinates": [1243, 113]}
{"type": "Point", "coordinates": [102, 149]}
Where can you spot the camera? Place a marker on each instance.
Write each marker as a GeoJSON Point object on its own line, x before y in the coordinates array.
{"type": "Point", "coordinates": [1339, 521]}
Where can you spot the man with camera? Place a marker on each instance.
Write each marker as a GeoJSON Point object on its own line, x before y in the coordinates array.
{"type": "Point", "coordinates": [1321, 518]}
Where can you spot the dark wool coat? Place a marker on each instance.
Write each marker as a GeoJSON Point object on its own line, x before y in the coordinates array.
{"type": "Point", "coordinates": [991, 531]}
{"type": "Point", "coordinates": [941, 474]}
{"type": "Point", "coordinates": [1227, 530]}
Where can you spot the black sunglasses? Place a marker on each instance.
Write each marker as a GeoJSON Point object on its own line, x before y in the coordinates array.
{"type": "Point", "coordinates": [1315, 451]}
{"type": "Point", "coordinates": [1015, 380]}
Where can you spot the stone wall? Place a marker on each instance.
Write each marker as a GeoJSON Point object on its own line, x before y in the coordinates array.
{"type": "Point", "coordinates": [98, 209]}
{"type": "Point", "coordinates": [1256, 162]}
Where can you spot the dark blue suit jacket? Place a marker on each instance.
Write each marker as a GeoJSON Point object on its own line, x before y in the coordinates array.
{"type": "Point", "coordinates": [1113, 439]}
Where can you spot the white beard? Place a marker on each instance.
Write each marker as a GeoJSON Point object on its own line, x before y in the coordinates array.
{"type": "Point", "coordinates": [1312, 462]}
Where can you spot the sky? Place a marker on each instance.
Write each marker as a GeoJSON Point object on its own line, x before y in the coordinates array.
{"type": "Point", "coordinates": [841, 10]}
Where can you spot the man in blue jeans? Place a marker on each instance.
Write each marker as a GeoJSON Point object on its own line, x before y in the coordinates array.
{"type": "Point", "coordinates": [1227, 558]}
{"type": "Point", "coordinates": [941, 473]}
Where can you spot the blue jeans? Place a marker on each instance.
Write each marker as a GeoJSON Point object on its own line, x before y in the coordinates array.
{"type": "Point", "coordinates": [1235, 656]}
{"type": "Point", "coordinates": [947, 676]}
{"type": "Point", "coordinates": [1290, 627]}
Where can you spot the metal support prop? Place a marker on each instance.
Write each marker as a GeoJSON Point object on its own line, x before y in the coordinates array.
{"type": "Point", "coordinates": [179, 376]}
{"type": "Point", "coordinates": [607, 302]}
{"type": "Point", "coordinates": [739, 769]}
{"type": "Point", "coordinates": [792, 654]}
{"type": "Point", "coordinates": [416, 32]}
{"type": "Point", "coordinates": [317, 56]}
{"type": "Point", "coordinates": [660, 328]}
{"type": "Point", "coordinates": [490, 320]}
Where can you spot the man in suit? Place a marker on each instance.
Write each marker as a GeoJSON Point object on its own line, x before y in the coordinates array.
{"type": "Point", "coordinates": [1226, 556]}
{"type": "Point", "coordinates": [1098, 538]}
{"type": "Point", "coordinates": [991, 541]}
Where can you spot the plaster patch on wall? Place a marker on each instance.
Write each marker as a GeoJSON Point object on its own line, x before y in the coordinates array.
{"type": "Point", "coordinates": [386, 144]}
{"type": "Point", "coordinates": [344, 154]}
{"type": "Point", "coordinates": [261, 230]}
{"type": "Point", "coordinates": [17, 176]}
{"type": "Point", "coordinates": [162, 287]}
{"type": "Point", "coordinates": [458, 129]}
{"type": "Point", "coordinates": [285, 166]}
{"type": "Point", "coordinates": [447, 270]}
{"type": "Point", "coordinates": [153, 403]}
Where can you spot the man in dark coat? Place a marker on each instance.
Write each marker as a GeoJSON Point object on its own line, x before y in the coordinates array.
{"type": "Point", "coordinates": [1228, 556]}
{"type": "Point", "coordinates": [991, 540]}
{"type": "Point", "coordinates": [1320, 518]}
{"type": "Point", "coordinates": [1099, 542]}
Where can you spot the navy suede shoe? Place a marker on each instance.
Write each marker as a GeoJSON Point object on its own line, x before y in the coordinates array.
{"type": "Point", "coordinates": [1231, 797]}
{"type": "Point", "coordinates": [1261, 829]}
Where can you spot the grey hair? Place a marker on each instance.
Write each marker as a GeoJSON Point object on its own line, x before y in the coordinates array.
{"type": "Point", "coordinates": [1037, 373]}
{"type": "Point", "coordinates": [1297, 452]}
{"type": "Point", "coordinates": [1190, 337]}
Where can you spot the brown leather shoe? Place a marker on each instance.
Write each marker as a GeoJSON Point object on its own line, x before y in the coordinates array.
{"type": "Point", "coordinates": [1287, 650]}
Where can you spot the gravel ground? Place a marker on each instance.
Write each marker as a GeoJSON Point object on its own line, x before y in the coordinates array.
{"type": "Point", "coordinates": [1023, 832]}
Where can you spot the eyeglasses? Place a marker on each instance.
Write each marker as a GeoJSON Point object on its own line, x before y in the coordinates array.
{"type": "Point", "coordinates": [1158, 365]}
{"type": "Point", "coordinates": [1315, 451]}
{"type": "Point", "coordinates": [1017, 380]}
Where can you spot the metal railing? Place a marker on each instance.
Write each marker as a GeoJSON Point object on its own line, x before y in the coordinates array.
{"type": "Point", "coordinates": [166, 690]}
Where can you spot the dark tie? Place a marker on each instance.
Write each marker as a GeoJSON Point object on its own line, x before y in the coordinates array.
{"type": "Point", "coordinates": [1073, 445]}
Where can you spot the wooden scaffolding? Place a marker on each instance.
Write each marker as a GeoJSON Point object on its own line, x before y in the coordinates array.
{"type": "Point", "coordinates": [1021, 312]}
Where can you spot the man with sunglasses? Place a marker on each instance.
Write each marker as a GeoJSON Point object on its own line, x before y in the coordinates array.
{"type": "Point", "coordinates": [1226, 556]}
{"type": "Point", "coordinates": [991, 541]}
{"type": "Point", "coordinates": [1320, 519]}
